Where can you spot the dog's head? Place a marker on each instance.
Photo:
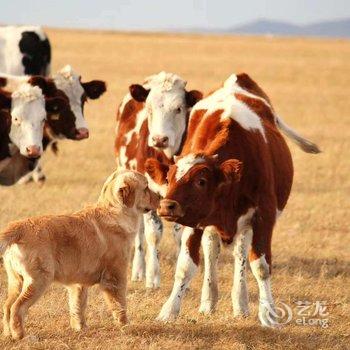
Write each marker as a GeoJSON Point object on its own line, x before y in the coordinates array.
{"type": "Point", "coordinates": [129, 189]}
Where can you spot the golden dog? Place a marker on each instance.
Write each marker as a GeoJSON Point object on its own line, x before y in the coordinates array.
{"type": "Point", "coordinates": [89, 247]}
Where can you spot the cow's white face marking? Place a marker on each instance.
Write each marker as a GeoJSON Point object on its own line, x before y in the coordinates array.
{"type": "Point", "coordinates": [186, 163]}
{"type": "Point", "coordinates": [28, 115]}
{"type": "Point", "coordinates": [160, 189]}
{"type": "Point", "coordinates": [224, 98]}
{"type": "Point", "coordinates": [68, 81]}
{"type": "Point", "coordinates": [166, 110]}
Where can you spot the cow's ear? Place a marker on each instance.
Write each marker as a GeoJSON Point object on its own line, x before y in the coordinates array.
{"type": "Point", "coordinates": [192, 97]}
{"type": "Point", "coordinates": [55, 105]}
{"type": "Point", "coordinates": [231, 170]}
{"type": "Point", "coordinates": [94, 88]}
{"type": "Point", "coordinates": [126, 195]}
{"type": "Point", "coordinates": [5, 100]}
{"type": "Point", "coordinates": [138, 92]}
{"type": "Point", "coordinates": [156, 170]}
{"type": "Point", "coordinates": [46, 85]}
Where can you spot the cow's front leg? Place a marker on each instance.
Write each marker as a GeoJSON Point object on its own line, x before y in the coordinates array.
{"type": "Point", "coordinates": [177, 230]}
{"type": "Point", "coordinates": [153, 233]}
{"type": "Point", "coordinates": [211, 250]}
{"type": "Point", "coordinates": [186, 267]}
{"type": "Point", "coordinates": [36, 175]}
{"type": "Point", "coordinates": [138, 263]}
{"type": "Point", "coordinates": [239, 293]}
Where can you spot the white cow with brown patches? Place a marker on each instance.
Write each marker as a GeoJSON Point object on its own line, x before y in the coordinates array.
{"type": "Point", "coordinates": [151, 122]}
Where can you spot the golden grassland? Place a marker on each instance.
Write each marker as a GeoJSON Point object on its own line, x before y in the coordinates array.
{"type": "Point", "coordinates": [308, 82]}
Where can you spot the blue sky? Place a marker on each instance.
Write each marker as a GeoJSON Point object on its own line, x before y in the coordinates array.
{"type": "Point", "coordinates": [163, 14]}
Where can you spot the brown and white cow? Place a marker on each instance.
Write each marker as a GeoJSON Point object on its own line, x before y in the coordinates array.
{"type": "Point", "coordinates": [24, 113]}
{"type": "Point", "coordinates": [152, 122]}
{"type": "Point", "coordinates": [230, 183]}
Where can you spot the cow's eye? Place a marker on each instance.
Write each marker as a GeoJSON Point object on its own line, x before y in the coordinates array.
{"type": "Point", "coordinates": [202, 182]}
{"type": "Point", "coordinates": [178, 110]}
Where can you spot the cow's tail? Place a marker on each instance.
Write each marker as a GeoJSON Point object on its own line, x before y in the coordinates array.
{"type": "Point", "coordinates": [8, 237]}
{"type": "Point", "coordinates": [306, 145]}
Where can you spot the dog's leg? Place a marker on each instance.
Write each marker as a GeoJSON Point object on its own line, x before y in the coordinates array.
{"type": "Point", "coordinates": [138, 263]}
{"type": "Point", "coordinates": [113, 286]}
{"type": "Point", "coordinates": [153, 233]}
{"type": "Point", "coordinates": [77, 304]}
{"type": "Point", "coordinates": [14, 290]}
{"type": "Point", "coordinates": [33, 288]}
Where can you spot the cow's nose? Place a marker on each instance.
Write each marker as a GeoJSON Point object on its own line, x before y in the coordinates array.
{"type": "Point", "coordinates": [82, 133]}
{"type": "Point", "coordinates": [160, 141]}
{"type": "Point", "coordinates": [33, 151]}
{"type": "Point", "coordinates": [170, 208]}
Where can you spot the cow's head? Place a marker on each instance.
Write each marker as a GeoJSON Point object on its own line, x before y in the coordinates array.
{"type": "Point", "coordinates": [29, 108]}
{"type": "Point", "coordinates": [78, 92]}
{"type": "Point", "coordinates": [60, 123]}
{"type": "Point", "coordinates": [196, 183]}
{"type": "Point", "coordinates": [167, 104]}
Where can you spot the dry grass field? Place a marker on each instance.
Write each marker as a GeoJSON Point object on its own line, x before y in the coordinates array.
{"type": "Point", "coordinates": [309, 84]}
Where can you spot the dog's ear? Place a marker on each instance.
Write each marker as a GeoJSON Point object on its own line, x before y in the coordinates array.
{"type": "Point", "coordinates": [126, 195]}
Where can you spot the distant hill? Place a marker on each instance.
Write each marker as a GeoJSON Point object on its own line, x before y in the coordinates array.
{"type": "Point", "coordinates": [336, 28]}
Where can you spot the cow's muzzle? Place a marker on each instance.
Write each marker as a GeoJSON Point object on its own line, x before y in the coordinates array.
{"type": "Point", "coordinates": [160, 141]}
{"type": "Point", "coordinates": [81, 134]}
{"type": "Point", "coordinates": [170, 210]}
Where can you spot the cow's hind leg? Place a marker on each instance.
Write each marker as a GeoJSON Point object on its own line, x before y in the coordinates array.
{"type": "Point", "coordinates": [260, 263]}
{"type": "Point", "coordinates": [138, 263]}
{"type": "Point", "coordinates": [186, 267]}
{"type": "Point", "coordinates": [239, 293]}
{"type": "Point", "coordinates": [153, 233]}
{"type": "Point", "coordinates": [211, 250]}
{"type": "Point", "coordinates": [77, 295]}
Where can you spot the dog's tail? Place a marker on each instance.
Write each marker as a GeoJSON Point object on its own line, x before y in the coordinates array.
{"type": "Point", "coordinates": [306, 145]}
{"type": "Point", "coordinates": [9, 236]}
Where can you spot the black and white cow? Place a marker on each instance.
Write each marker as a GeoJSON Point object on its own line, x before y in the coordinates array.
{"type": "Point", "coordinates": [24, 50]}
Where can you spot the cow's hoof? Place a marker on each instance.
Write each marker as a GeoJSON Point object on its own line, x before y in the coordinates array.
{"type": "Point", "coordinates": [153, 283]}
{"type": "Point", "coordinates": [138, 275]}
{"type": "Point", "coordinates": [240, 312]}
{"type": "Point", "coordinates": [267, 316]}
{"type": "Point", "coordinates": [168, 313]}
{"type": "Point", "coordinates": [25, 180]}
{"type": "Point", "coordinates": [207, 307]}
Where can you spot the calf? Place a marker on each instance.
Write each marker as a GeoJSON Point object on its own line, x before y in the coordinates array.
{"type": "Point", "coordinates": [236, 164]}
{"type": "Point", "coordinates": [24, 50]}
{"type": "Point", "coordinates": [152, 122]}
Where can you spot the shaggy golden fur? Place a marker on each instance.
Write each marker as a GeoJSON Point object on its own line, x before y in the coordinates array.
{"type": "Point", "coordinates": [89, 247]}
